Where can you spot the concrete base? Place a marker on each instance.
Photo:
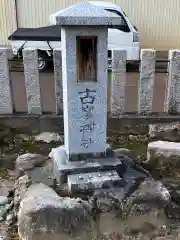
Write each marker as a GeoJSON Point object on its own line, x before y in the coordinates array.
{"type": "Point", "coordinates": [91, 181]}
{"type": "Point", "coordinates": [129, 123]}
{"type": "Point", "coordinates": [63, 167]}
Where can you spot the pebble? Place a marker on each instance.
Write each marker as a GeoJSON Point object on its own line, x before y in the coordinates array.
{"type": "Point", "coordinates": [3, 200]}
{"type": "Point", "coordinates": [9, 217]}
{"type": "Point", "coordinates": [5, 209]}
{"type": "Point", "coordinates": [132, 137]}
{"type": "Point", "coordinates": [48, 137]}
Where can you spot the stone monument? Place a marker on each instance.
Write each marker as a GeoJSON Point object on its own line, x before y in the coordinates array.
{"type": "Point", "coordinates": [85, 161]}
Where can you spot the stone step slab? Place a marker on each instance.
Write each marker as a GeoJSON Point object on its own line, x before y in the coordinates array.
{"type": "Point", "coordinates": [92, 181]}
{"type": "Point", "coordinates": [62, 166]}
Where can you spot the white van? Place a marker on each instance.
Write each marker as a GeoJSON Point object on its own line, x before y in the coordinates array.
{"type": "Point", "coordinates": [45, 39]}
{"type": "Point", "coordinates": [125, 37]}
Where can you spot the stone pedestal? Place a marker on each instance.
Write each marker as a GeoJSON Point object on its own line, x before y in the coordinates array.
{"type": "Point", "coordinates": [82, 164]}
{"type": "Point", "coordinates": [84, 46]}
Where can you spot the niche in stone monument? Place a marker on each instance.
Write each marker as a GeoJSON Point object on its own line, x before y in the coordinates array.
{"type": "Point", "coordinates": [86, 58]}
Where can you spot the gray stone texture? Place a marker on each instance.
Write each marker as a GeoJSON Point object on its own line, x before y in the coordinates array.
{"type": "Point", "coordinates": [4, 210]}
{"type": "Point", "coordinates": [91, 181]}
{"type": "Point", "coordinates": [45, 215]}
{"type": "Point", "coordinates": [147, 192]}
{"type": "Point", "coordinates": [6, 104]}
{"type": "Point", "coordinates": [75, 119]}
{"type": "Point", "coordinates": [20, 186]}
{"type": "Point", "coordinates": [163, 154]}
{"type": "Point", "coordinates": [62, 166]}
{"type": "Point", "coordinates": [151, 190]}
{"type": "Point", "coordinates": [32, 84]}
{"type": "Point", "coordinates": [147, 78]}
{"type": "Point", "coordinates": [172, 99]}
{"type": "Point", "coordinates": [38, 168]}
{"type": "Point", "coordinates": [118, 82]}
{"type": "Point", "coordinates": [58, 80]}
{"type": "Point", "coordinates": [165, 131]}
{"type": "Point", "coordinates": [85, 13]}
{"type": "Point", "coordinates": [6, 185]}
{"type": "Point", "coordinates": [29, 161]}
{"type": "Point", "coordinates": [126, 211]}
{"type": "Point", "coordinates": [48, 137]}
{"type": "Point", "coordinates": [43, 174]}
{"type": "Point", "coordinates": [3, 200]}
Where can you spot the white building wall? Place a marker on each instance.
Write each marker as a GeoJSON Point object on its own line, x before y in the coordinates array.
{"type": "Point", "coordinates": [157, 20]}
{"type": "Point", "coordinates": [7, 20]}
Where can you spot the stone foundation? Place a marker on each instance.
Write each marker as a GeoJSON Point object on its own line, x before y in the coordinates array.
{"type": "Point", "coordinates": [63, 167]}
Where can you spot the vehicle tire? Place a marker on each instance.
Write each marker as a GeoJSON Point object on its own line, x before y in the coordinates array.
{"type": "Point", "coordinates": [42, 61]}
{"type": "Point", "coordinates": [132, 67]}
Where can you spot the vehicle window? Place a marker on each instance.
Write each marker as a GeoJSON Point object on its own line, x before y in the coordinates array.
{"type": "Point", "coordinates": [124, 27]}
{"type": "Point", "coordinates": [135, 28]}
{"type": "Point", "coordinates": [124, 14]}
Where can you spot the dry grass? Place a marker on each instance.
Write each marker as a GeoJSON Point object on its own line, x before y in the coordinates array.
{"type": "Point", "coordinates": [112, 236]}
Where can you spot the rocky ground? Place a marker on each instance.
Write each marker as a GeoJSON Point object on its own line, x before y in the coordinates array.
{"type": "Point", "coordinates": [148, 207]}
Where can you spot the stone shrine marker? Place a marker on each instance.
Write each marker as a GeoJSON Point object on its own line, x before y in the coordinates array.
{"type": "Point", "coordinates": [84, 46]}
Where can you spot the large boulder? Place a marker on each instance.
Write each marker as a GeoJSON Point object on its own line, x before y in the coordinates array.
{"type": "Point", "coordinates": [146, 192]}
{"type": "Point", "coordinates": [45, 215]}
{"type": "Point", "coordinates": [165, 131]}
{"type": "Point", "coordinates": [20, 188]}
{"type": "Point", "coordinates": [43, 174]}
{"type": "Point", "coordinates": [149, 193]}
{"type": "Point", "coordinates": [37, 167]}
{"type": "Point", "coordinates": [139, 203]}
{"type": "Point", "coordinates": [162, 153]}
{"type": "Point", "coordinates": [29, 161]}
{"type": "Point", "coordinates": [150, 190]}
